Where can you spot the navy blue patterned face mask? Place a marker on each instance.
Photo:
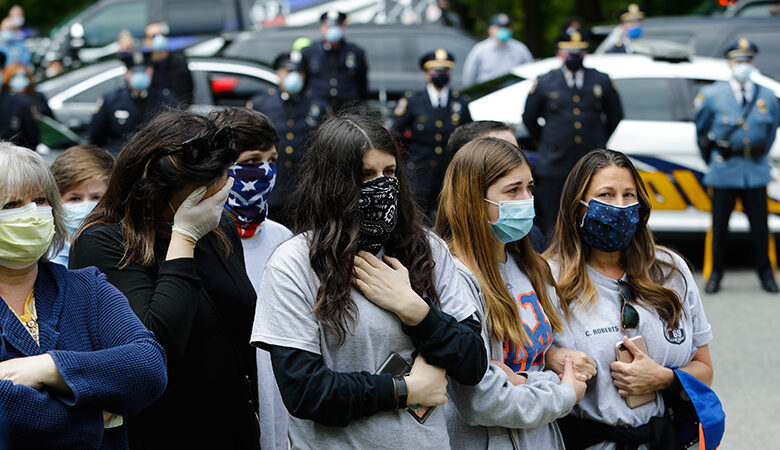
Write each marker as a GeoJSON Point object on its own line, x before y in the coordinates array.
{"type": "Point", "coordinates": [378, 207]}
{"type": "Point", "coordinates": [609, 228]}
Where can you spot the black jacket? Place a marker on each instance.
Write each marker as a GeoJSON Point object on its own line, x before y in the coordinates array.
{"type": "Point", "coordinates": [173, 74]}
{"type": "Point", "coordinates": [17, 120]}
{"type": "Point", "coordinates": [577, 120]}
{"type": "Point", "coordinates": [200, 310]}
{"type": "Point", "coordinates": [337, 74]}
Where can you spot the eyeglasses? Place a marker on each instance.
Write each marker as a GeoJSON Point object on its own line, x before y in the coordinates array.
{"type": "Point", "coordinates": [196, 150]}
{"type": "Point", "coordinates": [629, 317]}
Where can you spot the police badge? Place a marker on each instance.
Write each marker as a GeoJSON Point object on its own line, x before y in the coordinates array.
{"type": "Point", "coordinates": [597, 90]}
{"type": "Point", "coordinates": [761, 104]}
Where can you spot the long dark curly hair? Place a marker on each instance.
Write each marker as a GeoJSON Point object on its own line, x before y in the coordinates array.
{"type": "Point", "coordinates": [326, 199]}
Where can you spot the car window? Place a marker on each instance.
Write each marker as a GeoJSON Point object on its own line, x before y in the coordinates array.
{"type": "Point", "coordinates": [482, 89]}
{"type": "Point", "coordinates": [384, 53]}
{"type": "Point", "coordinates": [194, 17]}
{"type": "Point", "coordinates": [95, 93]}
{"type": "Point", "coordinates": [103, 27]}
{"type": "Point", "coordinates": [760, 11]}
{"type": "Point", "coordinates": [231, 89]}
{"type": "Point", "coordinates": [646, 98]}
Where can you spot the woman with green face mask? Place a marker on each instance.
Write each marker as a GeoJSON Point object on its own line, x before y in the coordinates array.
{"type": "Point", "coordinates": [73, 356]}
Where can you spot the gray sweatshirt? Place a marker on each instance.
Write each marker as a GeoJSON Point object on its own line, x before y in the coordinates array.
{"type": "Point", "coordinates": [495, 414]}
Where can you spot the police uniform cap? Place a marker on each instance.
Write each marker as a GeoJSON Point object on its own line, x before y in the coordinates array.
{"type": "Point", "coordinates": [742, 48]}
{"type": "Point", "coordinates": [291, 61]}
{"type": "Point", "coordinates": [631, 12]}
{"type": "Point", "coordinates": [333, 17]}
{"type": "Point", "coordinates": [572, 42]}
{"type": "Point", "coordinates": [500, 20]}
{"type": "Point", "coordinates": [438, 59]}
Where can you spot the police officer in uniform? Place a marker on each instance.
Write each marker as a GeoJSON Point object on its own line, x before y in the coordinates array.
{"type": "Point", "coordinates": [580, 108]}
{"type": "Point", "coordinates": [294, 111]}
{"type": "Point", "coordinates": [427, 118]}
{"type": "Point", "coordinates": [736, 121]}
{"type": "Point", "coordinates": [631, 19]}
{"type": "Point", "coordinates": [121, 112]}
{"type": "Point", "coordinates": [338, 69]}
{"type": "Point", "coordinates": [18, 119]}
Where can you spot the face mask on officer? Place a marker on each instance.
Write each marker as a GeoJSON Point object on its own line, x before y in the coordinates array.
{"type": "Point", "coordinates": [334, 33]}
{"type": "Point", "coordinates": [573, 61]}
{"type": "Point", "coordinates": [159, 43]}
{"type": "Point", "coordinates": [19, 82]}
{"type": "Point", "coordinates": [503, 34]}
{"type": "Point", "coordinates": [634, 31]}
{"type": "Point", "coordinates": [292, 82]}
{"type": "Point", "coordinates": [440, 78]}
{"type": "Point", "coordinates": [742, 71]}
{"type": "Point", "coordinates": [139, 80]}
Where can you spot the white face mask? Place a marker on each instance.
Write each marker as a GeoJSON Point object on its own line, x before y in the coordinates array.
{"type": "Point", "coordinates": [742, 71]}
{"type": "Point", "coordinates": [75, 213]}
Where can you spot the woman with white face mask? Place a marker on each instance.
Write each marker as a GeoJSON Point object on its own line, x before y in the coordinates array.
{"type": "Point", "coordinates": [485, 213]}
{"type": "Point", "coordinates": [73, 356]}
{"type": "Point", "coordinates": [82, 174]}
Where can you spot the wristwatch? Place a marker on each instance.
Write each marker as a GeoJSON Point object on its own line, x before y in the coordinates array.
{"type": "Point", "coordinates": [401, 391]}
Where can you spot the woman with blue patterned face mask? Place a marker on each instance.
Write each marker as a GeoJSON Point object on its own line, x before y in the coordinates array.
{"type": "Point", "coordinates": [616, 284]}
{"type": "Point", "coordinates": [82, 174]}
{"type": "Point", "coordinates": [485, 214]}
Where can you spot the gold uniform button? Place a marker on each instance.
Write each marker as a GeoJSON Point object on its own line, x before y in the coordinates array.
{"type": "Point", "coordinates": [746, 141]}
{"type": "Point", "coordinates": [437, 137]}
{"type": "Point", "coordinates": [576, 98]}
{"type": "Point", "coordinates": [578, 139]}
{"type": "Point", "coordinates": [434, 163]}
{"type": "Point", "coordinates": [289, 135]}
{"type": "Point", "coordinates": [746, 127]}
{"type": "Point", "coordinates": [725, 119]}
{"type": "Point", "coordinates": [578, 125]}
{"type": "Point", "coordinates": [439, 124]}
{"type": "Point", "coordinates": [290, 122]}
{"type": "Point", "coordinates": [420, 127]}
{"type": "Point", "coordinates": [288, 149]}
{"type": "Point", "coordinates": [288, 164]}
{"type": "Point", "coordinates": [438, 150]}
{"type": "Point", "coordinates": [577, 111]}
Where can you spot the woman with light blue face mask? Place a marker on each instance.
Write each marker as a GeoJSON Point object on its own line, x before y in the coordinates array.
{"type": "Point", "coordinates": [82, 174]}
{"type": "Point", "coordinates": [485, 214]}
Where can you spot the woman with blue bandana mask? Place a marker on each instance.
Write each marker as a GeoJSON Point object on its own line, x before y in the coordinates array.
{"type": "Point", "coordinates": [82, 174]}
{"type": "Point", "coordinates": [254, 172]}
{"type": "Point", "coordinates": [485, 213]}
{"type": "Point", "coordinates": [615, 284]}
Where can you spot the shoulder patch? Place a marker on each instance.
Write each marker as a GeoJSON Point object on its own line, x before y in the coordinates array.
{"type": "Point", "coordinates": [536, 84]}
{"type": "Point", "coordinates": [400, 108]}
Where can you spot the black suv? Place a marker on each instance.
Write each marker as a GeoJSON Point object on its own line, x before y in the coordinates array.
{"type": "Point", "coordinates": [393, 51]}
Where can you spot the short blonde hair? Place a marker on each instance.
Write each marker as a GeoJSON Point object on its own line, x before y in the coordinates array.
{"type": "Point", "coordinates": [24, 172]}
{"type": "Point", "coordinates": [82, 164]}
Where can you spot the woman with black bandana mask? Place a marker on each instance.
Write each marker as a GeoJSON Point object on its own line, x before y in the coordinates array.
{"type": "Point", "coordinates": [336, 304]}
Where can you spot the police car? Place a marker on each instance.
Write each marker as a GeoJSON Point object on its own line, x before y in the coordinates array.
{"type": "Point", "coordinates": [657, 130]}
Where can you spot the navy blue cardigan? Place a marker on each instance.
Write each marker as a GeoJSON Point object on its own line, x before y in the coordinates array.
{"type": "Point", "coordinates": [106, 356]}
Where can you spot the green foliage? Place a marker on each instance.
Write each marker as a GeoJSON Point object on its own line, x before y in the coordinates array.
{"type": "Point", "coordinates": [45, 14]}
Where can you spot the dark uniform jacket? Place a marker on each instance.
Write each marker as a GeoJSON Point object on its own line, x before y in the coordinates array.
{"type": "Point", "coordinates": [294, 117]}
{"type": "Point", "coordinates": [119, 115]}
{"type": "Point", "coordinates": [427, 130]}
{"type": "Point", "coordinates": [18, 120]}
{"type": "Point", "coordinates": [173, 74]}
{"type": "Point", "coordinates": [576, 120]}
{"type": "Point", "coordinates": [337, 74]}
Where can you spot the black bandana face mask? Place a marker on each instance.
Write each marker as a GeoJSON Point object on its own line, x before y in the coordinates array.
{"type": "Point", "coordinates": [378, 206]}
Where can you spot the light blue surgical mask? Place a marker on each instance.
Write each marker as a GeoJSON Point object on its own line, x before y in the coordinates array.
{"type": "Point", "coordinates": [19, 83]}
{"type": "Point", "coordinates": [503, 34]}
{"type": "Point", "coordinates": [635, 32]}
{"type": "Point", "coordinates": [139, 80]}
{"type": "Point", "coordinates": [515, 219]}
{"type": "Point", "coordinates": [742, 71]}
{"type": "Point", "coordinates": [159, 43]}
{"type": "Point", "coordinates": [293, 82]}
{"type": "Point", "coordinates": [75, 213]}
{"type": "Point", "coordinates": [334, 34]}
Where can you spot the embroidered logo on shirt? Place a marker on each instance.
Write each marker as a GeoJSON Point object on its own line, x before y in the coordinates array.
{"type": "Point", "coordinates": [675, 336]}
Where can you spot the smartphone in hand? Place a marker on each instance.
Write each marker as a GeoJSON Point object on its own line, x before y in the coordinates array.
{"type": "Point", "coordinates": [396, 366]}
{"type": "Point", "coordinates": [622, 354]}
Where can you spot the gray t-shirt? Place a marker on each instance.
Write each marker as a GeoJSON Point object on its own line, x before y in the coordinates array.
{"type": "Point", "coordinates": [273, 415]}
{"type": "Point", "coordinates": [596, 331]}
{"type": "Point", "coordinates": [284, 318]}
{"type": "Point", "coordinates": [488, 60]}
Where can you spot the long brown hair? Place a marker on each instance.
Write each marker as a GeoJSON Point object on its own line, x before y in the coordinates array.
{"type": "Point", "coordinates": [462, 221]}
{"type": "Point", "coordinates": [326, 202]}
{"type": "Point", "coordinates": [644, 271]}
{"type": "Point", "coordinates": [144, 180]}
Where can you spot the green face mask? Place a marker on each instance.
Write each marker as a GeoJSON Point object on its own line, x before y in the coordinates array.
{"type": "Point", "coordinates": [25, 235]}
